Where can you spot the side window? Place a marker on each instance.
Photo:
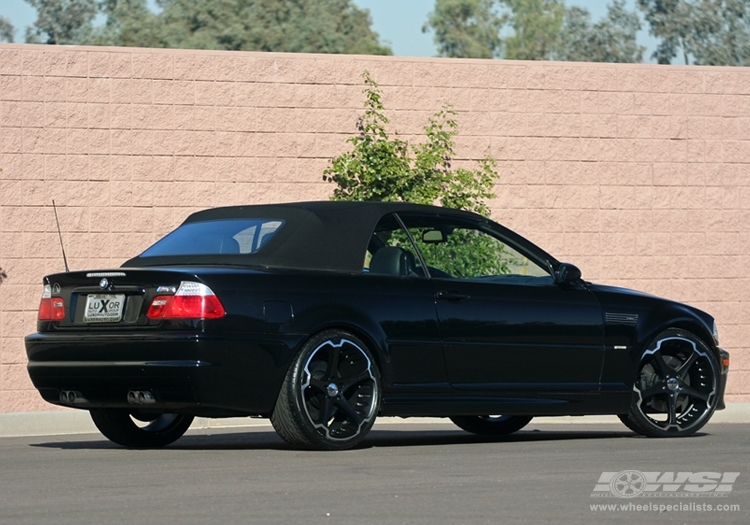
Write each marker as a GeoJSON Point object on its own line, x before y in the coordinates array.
{"type": "Point", "coordinates": [390, 251]}
{"type": "Point", "coordinates": [463, 250]}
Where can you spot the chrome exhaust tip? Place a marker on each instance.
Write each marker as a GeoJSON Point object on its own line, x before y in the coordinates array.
{"type": "Point", "coordinates": [146, 397]}
{"type": "Point", "coordinates": [70, 397]}
{"type": "Point", "coordinates": [140, 397]}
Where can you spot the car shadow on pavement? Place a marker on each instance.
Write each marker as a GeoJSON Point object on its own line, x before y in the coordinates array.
{"type": "Point", "coordinates": [377, 438]}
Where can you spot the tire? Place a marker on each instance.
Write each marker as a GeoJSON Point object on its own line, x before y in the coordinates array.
{"type": "Point", "coordinates": [676, 387]}
{"type": "Point", "coordinates": [491, 425]}
{"type": "Point", "coordinates": [118, 426]}
{"type": "Point", "coordinates": [331, 394]}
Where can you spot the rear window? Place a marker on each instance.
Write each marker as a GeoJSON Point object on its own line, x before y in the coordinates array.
{"type": "Point", "coordinates": [228, 236]}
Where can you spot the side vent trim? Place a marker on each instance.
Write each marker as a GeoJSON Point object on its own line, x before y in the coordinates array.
{"type": "Point", "coordinates": [618, 318]}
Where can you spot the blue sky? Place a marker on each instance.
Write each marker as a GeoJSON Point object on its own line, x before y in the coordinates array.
{"type": "Point", "coordinates": [399, 22]}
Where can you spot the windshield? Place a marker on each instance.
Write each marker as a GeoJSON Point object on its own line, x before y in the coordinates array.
{"type": "Point", "coordinates": [228, 236]}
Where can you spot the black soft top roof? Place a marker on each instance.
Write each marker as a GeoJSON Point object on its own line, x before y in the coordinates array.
{"type": "Point", "coordinates": [321, 235]}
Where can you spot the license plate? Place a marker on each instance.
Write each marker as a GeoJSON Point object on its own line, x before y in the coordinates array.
{"type": "Point", "coordinates": [104, 308]}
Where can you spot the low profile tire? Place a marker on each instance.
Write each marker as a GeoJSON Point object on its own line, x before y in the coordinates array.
{"type": "Point", "coordinates": [491, 425]}
{"type": "Point", "coordinates": [331, 395]}
{"type": "Point", "coordinates": [676, 387]}
{"type": "Point", "coordinates": [118, 426]}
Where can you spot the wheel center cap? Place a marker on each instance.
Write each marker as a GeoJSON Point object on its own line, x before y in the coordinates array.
{"type": "Point", "coordinates": [332, 390]}
{"type": "Point", "coordinates": [672, 384]}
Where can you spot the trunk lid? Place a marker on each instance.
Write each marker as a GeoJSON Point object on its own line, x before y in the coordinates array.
{"type": "Point", "coordinates": [106, 299]}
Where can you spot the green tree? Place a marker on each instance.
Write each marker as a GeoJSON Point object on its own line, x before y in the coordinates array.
{"type": "Point", "coordinates": [380, 168]}
{"type": "Point", "coordinates": [7, 31]}
{"type": "Point", "coordinates": [710, 32]}
{"type": "Point", "coordinates": [533, 30]}
{"type": "Point", "coordinates": [128, 23]}
{"type": "Point", "coordinates": [303, 26]}
{"type": "Point", "coordinates": [725, 36]}
{"type": "Point", "coordinates": [465, 28]}
{"type": "Point", "coordinates": [671, 22]}
{"type": "Point", "coordinates": [62, 21]}
{"type": "Point", "coordinates": [536, 28]}
{"type": "Point", "coordinates": [612, 39]}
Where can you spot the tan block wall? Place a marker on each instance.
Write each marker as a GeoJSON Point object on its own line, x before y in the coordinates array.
{"type": "Point", "coordinates": [637, 173]}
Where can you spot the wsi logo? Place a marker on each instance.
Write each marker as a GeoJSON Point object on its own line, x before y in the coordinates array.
{"type": "Point", "coordinates": [634, 483]}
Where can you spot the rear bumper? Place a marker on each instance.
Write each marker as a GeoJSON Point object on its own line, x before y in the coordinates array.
{"type": "Point", "coordinates": [724, 367]}
{"type": "Point", "coordinates": [196, 373]}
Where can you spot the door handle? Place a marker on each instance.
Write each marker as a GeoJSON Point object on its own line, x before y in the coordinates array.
{"type": "Point", "coordinates": [449, 295]}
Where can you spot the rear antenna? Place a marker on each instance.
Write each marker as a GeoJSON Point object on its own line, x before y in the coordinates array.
{"type": "Point", "coordinates": [59, 234]}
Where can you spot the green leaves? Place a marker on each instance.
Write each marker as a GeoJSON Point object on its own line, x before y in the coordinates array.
{"type": "Point", "coordinates": [536, 28]}
{"type": "Point", "coordinates": [380, 168]}
{"type": "Point", "coordinates": [302, 26]}
{"type": "Point", "coordinates": [533, 30]}
{"type": "Point", "coordinates": [710, 32]}
{"type": "Point", "coordinates": [465, 28]}
{"type": "Point", "coordinates": [299, 26]}
{"type": "Point", "coordinates": [62, 21]}
{"type": "Point", "coordinates": [612, 39]}
{"type": "Point", "coordinates": [128, 23]}
{"type": "Point", "coordinates": [7, 31]}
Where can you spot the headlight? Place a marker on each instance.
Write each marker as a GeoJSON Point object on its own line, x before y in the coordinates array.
{"type": "Point", "coordinates": [715, 334]}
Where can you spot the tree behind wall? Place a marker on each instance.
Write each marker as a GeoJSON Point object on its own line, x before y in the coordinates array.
{"type": "Point", "coordinates": [465, 28]}
{"type": "Point", "coordinates": [62, 21]}
{"type": "Point", "coordinates": [612, 39]}
{"type": "Point", "coordinates": [7, 31]}
{"type": "Point", "coordinates": [533, 30]}
{"type": "Point", "coordinates": [305, 26]}
{"type": "Point", "coordinates": [727, 40]}
{"type": "Point", "coordinates": [706, 32]}
{"type": "Point", "coordinates": [536, 28]}
{"type": "Point", "coordinates": [128, 23]}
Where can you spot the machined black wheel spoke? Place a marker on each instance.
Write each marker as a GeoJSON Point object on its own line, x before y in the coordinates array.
{"type": "Point", "coordinates": [664, 368]}
{"type": "Point", "coordinates": [319, 384]}
{"type": "Point", "coordinates": [672, 411]}
{"type": "Point", "coordinates": [344, 405]}
{"type": "Point", "coordinates": [332, 370]}
{"type": "Point", "coordinates": [653, 391]}
{"type": "Point", "coordinates": [692, 392]}
{"type": "Point", "coordinates": [684, 368]}
{"type": "Point", "coordinates": [351, 381]}
{"type": "Point", "coordinates": [326, 410]}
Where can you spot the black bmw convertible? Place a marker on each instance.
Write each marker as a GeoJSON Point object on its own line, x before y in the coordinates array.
{"type": "Point", "coordinates": [324, 315]}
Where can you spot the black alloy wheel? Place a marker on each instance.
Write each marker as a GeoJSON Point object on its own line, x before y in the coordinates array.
{"type": "Point", "coordinates": [491, 425]}
{"type": "Point", "coordinates": [331, 395]}
{"type": "Point", "coordinates": [676, 388]}
{"type": "Point", "coordinates": [151, 431]}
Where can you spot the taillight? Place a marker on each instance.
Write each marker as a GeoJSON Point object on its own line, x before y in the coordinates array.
{"type": "Point", "coordinates": [191, 301]}
{"type": "Point", "coordinates": [51, 308]}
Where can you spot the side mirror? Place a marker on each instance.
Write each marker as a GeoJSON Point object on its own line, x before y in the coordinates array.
{"type": "Point", "coordinates": [567, 273]}
{"type": "Point", "coordinates": [433, 237]}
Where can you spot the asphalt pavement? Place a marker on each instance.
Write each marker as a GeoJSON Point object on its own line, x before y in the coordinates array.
{"type": "Point", "coordinates": [420, 473]}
